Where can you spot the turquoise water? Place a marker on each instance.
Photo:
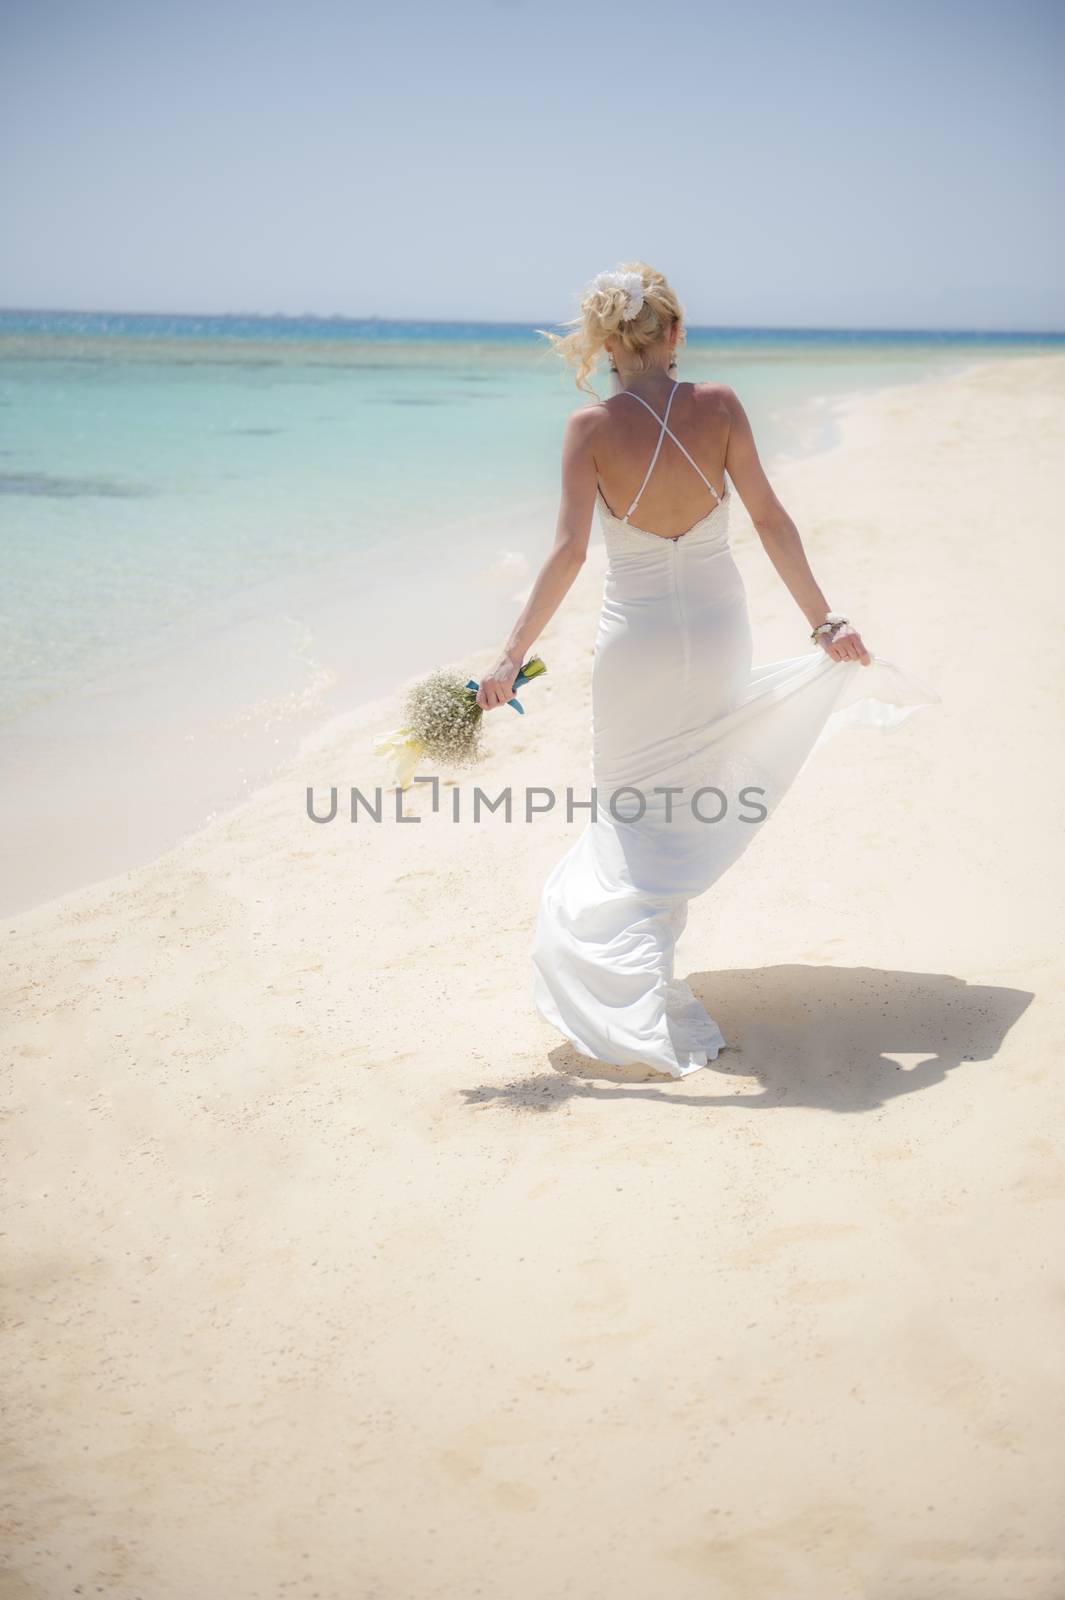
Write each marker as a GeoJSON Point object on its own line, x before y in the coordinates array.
{"type": "Point", "coordinates": [218, 530]}
{"type": "Point", "coordinates": [154, 468]}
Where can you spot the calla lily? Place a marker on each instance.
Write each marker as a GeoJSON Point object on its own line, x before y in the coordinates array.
{"type": "Point", "coordinates": [405, 752]}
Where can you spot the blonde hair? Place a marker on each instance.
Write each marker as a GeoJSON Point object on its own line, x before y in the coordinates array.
{"type": "Point", "coordinates": [602, 317]}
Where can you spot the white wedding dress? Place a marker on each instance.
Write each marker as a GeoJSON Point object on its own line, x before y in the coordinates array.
{"type": "Point", "coordinates": [692, 748]}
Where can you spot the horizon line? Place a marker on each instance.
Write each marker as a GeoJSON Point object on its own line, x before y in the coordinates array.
{"type": "Point", "coordinates": [501, 322]}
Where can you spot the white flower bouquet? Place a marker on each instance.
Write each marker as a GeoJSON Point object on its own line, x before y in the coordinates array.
{"type": "Point", "coordinates": [443, 722]}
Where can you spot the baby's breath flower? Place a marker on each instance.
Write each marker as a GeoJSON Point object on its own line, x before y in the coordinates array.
{"type": "Point", "coordinates": [443, 722]}
{"type": "Point", "coordinates": [443, 715]}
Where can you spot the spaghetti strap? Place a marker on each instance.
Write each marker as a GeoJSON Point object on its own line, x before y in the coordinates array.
{"type": "Point", "coordinates": [661, 435]}
{"type": "Point", "coordinates": [663, 430]}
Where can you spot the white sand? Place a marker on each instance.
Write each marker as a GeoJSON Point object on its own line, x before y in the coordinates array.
{"type": "Point", "coordinates": [333, 1273]}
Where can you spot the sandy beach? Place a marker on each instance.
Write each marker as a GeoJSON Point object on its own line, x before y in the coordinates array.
{"type": "Point", "coordinates": [333, 1274]}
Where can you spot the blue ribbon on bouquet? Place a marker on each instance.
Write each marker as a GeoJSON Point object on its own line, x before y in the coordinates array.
{"type": "Point", "coordinates": [523, 677]}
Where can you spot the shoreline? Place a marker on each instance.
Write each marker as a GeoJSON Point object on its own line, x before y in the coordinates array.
{"type": "Point", "coordinates": [296, 711]}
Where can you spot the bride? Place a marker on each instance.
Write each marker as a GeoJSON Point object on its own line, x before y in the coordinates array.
{"type": "Point", "coordinates": [692, 746]}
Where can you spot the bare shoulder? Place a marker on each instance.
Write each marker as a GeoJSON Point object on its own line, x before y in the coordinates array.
{"type": "Point", "coordinates": [584, 425]}
{"type": "Point", "coordinates": [588, 416]}
{"type": "Point", "coordinates": [717, 399]}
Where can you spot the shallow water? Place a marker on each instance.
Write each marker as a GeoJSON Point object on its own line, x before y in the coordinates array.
{"type": "Point", "coordinates": [216, 531]}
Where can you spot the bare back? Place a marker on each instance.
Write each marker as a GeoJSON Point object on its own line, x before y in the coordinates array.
{"type": "Point", "coordinates": [646, 473]}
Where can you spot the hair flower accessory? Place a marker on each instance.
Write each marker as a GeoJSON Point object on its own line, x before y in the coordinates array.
{"type": "Point", "coordinates": [631, 285]}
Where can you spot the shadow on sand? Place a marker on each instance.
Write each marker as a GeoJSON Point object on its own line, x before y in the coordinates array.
{"type": "Point", "coordinates": [838, 1038]}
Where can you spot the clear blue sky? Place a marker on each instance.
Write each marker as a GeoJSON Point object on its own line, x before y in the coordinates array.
{"type": "Point", "coordinates": [888, 164]}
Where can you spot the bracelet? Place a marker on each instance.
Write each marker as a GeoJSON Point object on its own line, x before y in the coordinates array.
{"type": "Point", "coordinates": [832, 621]}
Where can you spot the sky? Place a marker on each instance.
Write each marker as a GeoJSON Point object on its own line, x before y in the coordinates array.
{"type": "Point", "coordinates": [802, 164]}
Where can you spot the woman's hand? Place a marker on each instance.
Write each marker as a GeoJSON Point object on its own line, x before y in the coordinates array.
{"type": "Point", "coordinates": [845, 645]}
{"type": "Point", "coordinates": [497, 686]}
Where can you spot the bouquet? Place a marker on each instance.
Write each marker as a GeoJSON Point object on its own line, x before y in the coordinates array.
{"type": "Point", "coordinates": [443, 722]}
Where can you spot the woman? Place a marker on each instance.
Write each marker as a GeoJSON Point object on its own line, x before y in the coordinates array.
{"type": "Point", "coordinates": [691, 747]}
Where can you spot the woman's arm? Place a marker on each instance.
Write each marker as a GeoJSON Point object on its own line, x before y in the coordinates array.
{"type": "Point", "coordinates": [779, 535]}
{"type": "Point", "coordinates": [579, 481]}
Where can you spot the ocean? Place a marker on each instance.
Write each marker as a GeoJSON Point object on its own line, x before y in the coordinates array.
{"type": "Point", "coordinates": [218, 531]}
